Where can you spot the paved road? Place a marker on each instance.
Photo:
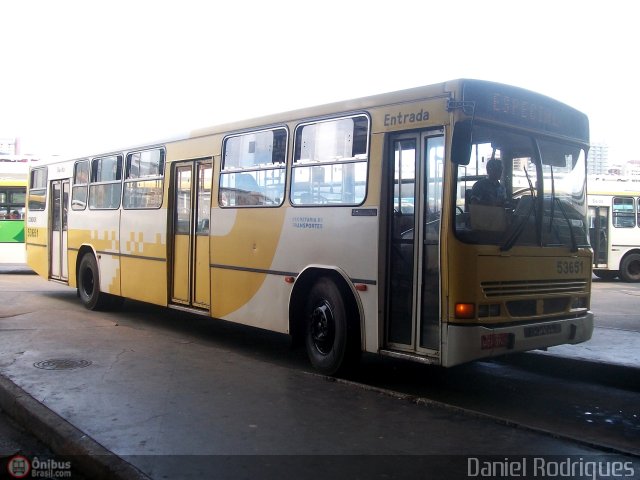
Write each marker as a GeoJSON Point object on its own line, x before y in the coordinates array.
{"type": "Point", "coordinates": [161, 385]}
{"type": "Point", "coordinates": [616, 304]}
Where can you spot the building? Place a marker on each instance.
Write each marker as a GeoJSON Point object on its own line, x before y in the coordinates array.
{"type": "Point", "coordinates": [9, 146]}
{"type": "Point", "coordinates": [598, 162]}
{"type": "Point", "coordinates": [632, 170]}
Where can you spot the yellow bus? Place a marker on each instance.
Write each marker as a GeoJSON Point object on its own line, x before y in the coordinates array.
{"type": "Point", "coordinates": [614, 229]}
{"type": "Point", "coordinates": [348, 226]}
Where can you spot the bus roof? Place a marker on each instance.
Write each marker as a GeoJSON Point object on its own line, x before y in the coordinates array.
{"type": "Point", "coordinates": [540, 110]}
{"type": "Point", "coordinates": [12, 182]}
{"type": "Point", "coordinates": [612, 187]}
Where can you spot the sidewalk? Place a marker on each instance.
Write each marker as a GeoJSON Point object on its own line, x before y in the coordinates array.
{"type": "Point", "coordinates": [607, 346]}
{"type": "Point", "coordinates": [610, 357]}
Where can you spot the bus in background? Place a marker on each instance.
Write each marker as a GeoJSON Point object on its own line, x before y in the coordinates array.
{"type": "Point", "coordinates": [614, 229]}
{"type": "Point", "coordinates": [12, 211]}
{"type": "Point", "coordinates": [349, 226]}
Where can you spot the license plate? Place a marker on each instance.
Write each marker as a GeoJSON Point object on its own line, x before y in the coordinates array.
{"type": "Point", "coordinates": [540, 330]}
{"type": "Point", "coordinates": [496, 340]}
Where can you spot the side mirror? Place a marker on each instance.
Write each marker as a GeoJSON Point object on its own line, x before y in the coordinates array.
{"type": "Point", "coordinates": [461, 142]}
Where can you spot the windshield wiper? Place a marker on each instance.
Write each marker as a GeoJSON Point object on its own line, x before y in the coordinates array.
{"type": "Point", "coordinates": [553, 200]}
{"type": "Point", "coordinates": [510, 242]}
{"type": "Point", "coordinates": [572, 235]}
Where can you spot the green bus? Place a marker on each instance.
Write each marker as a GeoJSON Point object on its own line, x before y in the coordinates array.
{"type": "Point", "coordinates": [12, 196]}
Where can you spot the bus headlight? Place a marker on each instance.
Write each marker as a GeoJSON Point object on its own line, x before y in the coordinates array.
{"type": "Point", "coordinates": [579, 302]}
{"type": "Point", "coordinates": [491, 310]}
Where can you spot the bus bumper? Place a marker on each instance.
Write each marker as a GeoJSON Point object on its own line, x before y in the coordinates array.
{"type": "Point", "coordinates": [465, 343]}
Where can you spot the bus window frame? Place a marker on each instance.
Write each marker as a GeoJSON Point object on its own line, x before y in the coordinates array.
{"type": "Point", "coordinates": [41, 190]}
{"type": "Point", "coordinates": [127, 171]}
{"type": "Point", "coordinates": [78, 185]}
{"type": "Point", "coordinates": [10, 204]}
{"type": "Point", "coordinates": [351, 160]}
{"type": "Point", "coordinates": [280, 166]}
{"type": "Point", "coordinates": [93, 183]}
{"type": "Point", "coordinates": [615, 214]}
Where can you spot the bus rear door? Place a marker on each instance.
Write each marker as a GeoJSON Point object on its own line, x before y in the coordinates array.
{"type": "Point", "coordinates": [190, 281]}
{"type": "Point", "coordinates": [598, 235]}
{"type": "Point", "coordinates": [58, 266]}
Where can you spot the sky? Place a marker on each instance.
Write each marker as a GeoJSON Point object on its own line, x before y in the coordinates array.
{"type": "Point", "coordinates": [82, 77]}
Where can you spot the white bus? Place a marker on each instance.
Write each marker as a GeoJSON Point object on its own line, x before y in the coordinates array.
{"type": "Point", "coordinates": [346, 226]}
{"type": "Point", "coordinates": [614, 229]}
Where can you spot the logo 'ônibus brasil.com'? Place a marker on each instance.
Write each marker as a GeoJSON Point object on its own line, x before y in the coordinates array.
{"type": "Point", "coordinates": [19, 466]}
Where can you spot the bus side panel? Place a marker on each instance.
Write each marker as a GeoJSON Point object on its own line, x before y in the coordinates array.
{"type": "Point", "coordinates": [254, 251]}
{"type": "Point", "coordinates": [72, 260]}
{"type": "Point", "coordinates": [337, 238]}
{"type": "Point", "coordinates": [97, 229]}
{"type": "Point", "coordinates": [137, 283]}
{"type": "Point", "coordinates": [267, 298]}
{"type": "Point", "coordinates": [621, 242]}
{"type": "Point", "coordinates": [37, 243]}
{"type": "Point", "coordinates": [143, 248]}
{"type": "Point", "coordinates": [243, 244]}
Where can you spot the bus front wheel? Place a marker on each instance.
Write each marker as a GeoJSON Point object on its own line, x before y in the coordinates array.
{"type": "Point", "coordinates": [630, 268]}
{"type": "Point", "coordinates": [89, 283]}
{"type": "Point", "coordinates": [327, 334]}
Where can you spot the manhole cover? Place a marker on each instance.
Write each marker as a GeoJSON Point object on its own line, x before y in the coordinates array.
{"type": "Point", "coordinates": [61, 364]}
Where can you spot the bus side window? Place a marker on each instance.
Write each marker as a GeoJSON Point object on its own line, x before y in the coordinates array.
{"type": "Point", "coordinates": [144, 179]}
{"type": "Point", "coordinates": [253, 169]}
{"type": "Point", "coordinates": [106, 182]}
{"type": "Point", "coordinates": [80, 183]}
{"type": "Point", "coordinates": [37, 189]}
{"type": "Point", "coordinates": [624, 212]}
{"type": "Point", "coordinates": [331, 162]}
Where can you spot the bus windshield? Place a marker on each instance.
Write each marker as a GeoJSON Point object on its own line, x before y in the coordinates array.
{"type": "Point", "coordinates": [521, 190]}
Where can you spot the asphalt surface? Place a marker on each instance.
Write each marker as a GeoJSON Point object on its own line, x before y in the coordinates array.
{"type": "Point", "coordinates": [127, 402]}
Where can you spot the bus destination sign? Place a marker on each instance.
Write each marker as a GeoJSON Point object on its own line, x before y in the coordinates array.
{"type": "Point", "coordinates": [526, 109]}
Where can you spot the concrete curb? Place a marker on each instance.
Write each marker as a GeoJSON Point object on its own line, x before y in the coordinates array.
{"type": "Point", "coordinates": [88, 456]}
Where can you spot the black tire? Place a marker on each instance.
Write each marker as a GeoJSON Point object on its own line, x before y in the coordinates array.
{"type": "Point", "coordinates": [630, 268]}
{"type": "Point", "coordinates": [89, 284]}
{"type": "Point", "coordinates": [330, 340]}
{"type": "Point", "coordinates": [606, 274]}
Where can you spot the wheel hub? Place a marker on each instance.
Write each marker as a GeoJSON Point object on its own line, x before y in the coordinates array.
{"type": "Point", "coordinates": [87, 282]}
{"type": "Point", "coordinates": [322, 328]}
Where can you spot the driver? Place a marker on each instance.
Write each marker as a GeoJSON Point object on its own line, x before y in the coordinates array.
{"type": "Point", "coordinates": [489, 190]}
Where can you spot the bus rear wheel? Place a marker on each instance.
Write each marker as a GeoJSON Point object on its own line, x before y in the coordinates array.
{"type": "Point", "coordinates": [630, 268]}
{"type": "Point", "coordinates": [89, 284]}
{"type": "Point", "coordinates": [327, 334]}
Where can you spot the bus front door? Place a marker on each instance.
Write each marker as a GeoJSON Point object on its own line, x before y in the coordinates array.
{"type": "Point", "coordinates": [58, 267]}
{"type": "Point", "coordinates": [190, 247]}
{"type": "Point", "coordinates": [413, 313]}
